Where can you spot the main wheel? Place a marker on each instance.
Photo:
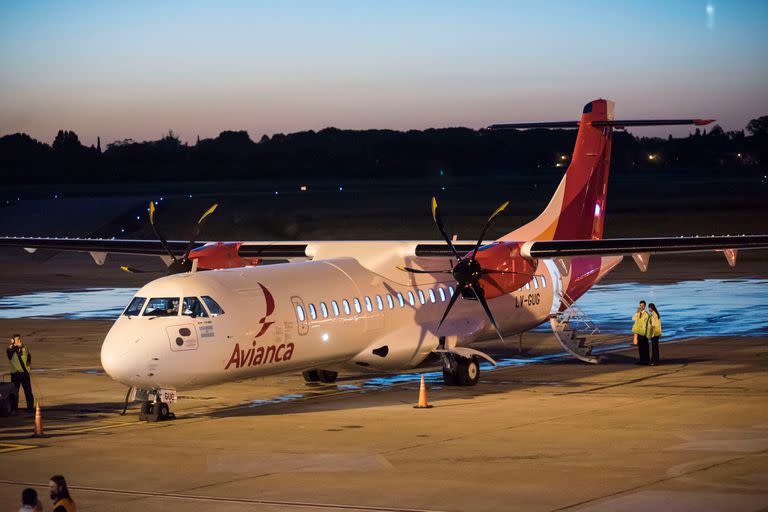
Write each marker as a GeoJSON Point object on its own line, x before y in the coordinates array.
{"type": "Point", "coordinates": [5, 407]}
{"type": "Point", "coordinates": [450, 377]}
{"type": "Point", "coordinates": [468, 371]}
{"type": "Point", "coordinates": [327, 376]}
{"type": "Point", "coordinates": [311, 375]}
{"type": "Point", "coordinates": [164, 411]}
{"type": "Point", "coordinates": [145, 411]}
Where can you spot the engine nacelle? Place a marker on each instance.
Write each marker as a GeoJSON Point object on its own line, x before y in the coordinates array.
{"type": "Point", "coordinates": [402, 349]}
{"type": "Point", "coordinates": [221, 255]}
{"type": "Point", "coordinates": [505, 257]}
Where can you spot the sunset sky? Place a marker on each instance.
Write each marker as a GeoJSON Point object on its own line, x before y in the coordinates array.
{"type": "Point", "coordinates": [136, 69]}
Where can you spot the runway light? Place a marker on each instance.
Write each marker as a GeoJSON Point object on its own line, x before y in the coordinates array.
{"type": "Point", "coordinates": [303, 188]}
{"type": "Point", "coordinates": [738, 155]}
{"type": "Point", "coordinates": [652, 157]}
{"type": "Point", "coordinates": [341, 189]}
{"type": "Point", "coordinates": [276, 192]}
{"type": "Point", "coordinates": [138, 218]}
{"type": "Point", "coordinates": [563, 157]}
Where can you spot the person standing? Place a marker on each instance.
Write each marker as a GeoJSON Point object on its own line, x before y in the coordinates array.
{"type": "Point", "coordinates": [640, 328]}
{"type": "Point", "coordinates": [62, 501]}
{"type": "Point", "coordinates": [654, 332]}
{"type": "Point", "coordinates": [21, 361]}
{"type": "Point", "coordinates": [29, 501]}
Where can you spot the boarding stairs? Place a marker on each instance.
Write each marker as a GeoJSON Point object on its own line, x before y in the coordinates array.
{"type": "Point", "coordinates": [571, 327]}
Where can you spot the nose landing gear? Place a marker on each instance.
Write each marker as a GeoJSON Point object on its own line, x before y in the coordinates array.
{"type": "Point", "coordinates": [155, 410]}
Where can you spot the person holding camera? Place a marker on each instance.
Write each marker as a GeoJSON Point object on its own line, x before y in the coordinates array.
{"type": "Point", "coordinates": [21, 360]}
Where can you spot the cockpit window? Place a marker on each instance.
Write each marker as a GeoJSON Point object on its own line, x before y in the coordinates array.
{"type": "Point", "coordinates": [163, 306]}
{"type": "Point", "coordinates": [134, 308]}
{"type": "Point", "coordinates": [213, 306]}
{"type": "Point", "coordinates": [193, 307]}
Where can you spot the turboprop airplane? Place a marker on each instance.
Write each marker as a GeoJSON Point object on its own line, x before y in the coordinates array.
{"type": "Point", "coordinates": [374, 305]}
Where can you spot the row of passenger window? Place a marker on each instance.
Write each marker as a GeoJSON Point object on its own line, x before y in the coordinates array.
{"type": "Point", "coordinates": [169, 306]}
{"type": "Point", "coordinates": [442, 293]}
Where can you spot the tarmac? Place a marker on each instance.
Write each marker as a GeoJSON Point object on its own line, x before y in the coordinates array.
{"type": "Point", "coordinates": [689, 434]}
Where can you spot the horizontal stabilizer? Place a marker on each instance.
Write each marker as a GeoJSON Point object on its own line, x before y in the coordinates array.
{"type": "Point", "coordinates": [618, 124]}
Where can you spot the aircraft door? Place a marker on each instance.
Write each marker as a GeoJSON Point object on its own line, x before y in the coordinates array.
{"type": "Point", "coordinates": [302, 322]}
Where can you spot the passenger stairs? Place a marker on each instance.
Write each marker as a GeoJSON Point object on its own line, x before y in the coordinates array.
{"type": "Point", "coordinates": [571, 327]}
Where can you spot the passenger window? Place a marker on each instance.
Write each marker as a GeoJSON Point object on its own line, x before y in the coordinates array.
{"type": "Point", "coordinates": [411, 298]}
{"type": "Point", "coordinates": [379, 303]}
{"type": "Point", "coordinates": [400, 299]}
{"type": "Point", "coordinates": [345, 305]}
{"type": "Point", "coordinates": [165, 306]}
{"type": "Point", "coordinates": [431, 295]}
{"type": "Point", "coordinates": [535, 282]}
{"type": "Point", "coordinates": [528, 286]}
{"type": "Point", "coordinates": [300, 313]}
{"type": "Point", "coordinates": [335, 308]}
{"type": "Point", "coordinates": [450, 290]}
{"type": "Point", "coordinates": [421, 296]}
{"type": "Point", "coordinates": [324, 309]}
{"type": "Point", "coordinates": [368, 304]}
{"type": "Point", "coordinates": [213, 307]}
{"type": "Point", "coordinates": [441, 293]}
{"type": "Point", "coordinates": [193, 307]}
{"type": "Point", "coordinates": [358, 308]}
{"type": "Point", "coordinates": [543, 281]}
{"type": "Point", "coordinates": [390, 302]}
{"type": "Point", "coordinates": [134, 308]}
{"type": "Point", "coordinates": [312, 312]}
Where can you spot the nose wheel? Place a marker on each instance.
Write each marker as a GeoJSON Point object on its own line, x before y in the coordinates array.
{"type": "Point", "coordinates": [155, 411]}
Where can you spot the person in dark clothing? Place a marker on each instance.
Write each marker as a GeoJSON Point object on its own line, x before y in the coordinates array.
{"type": "Point", "coordinates": [654, 332]}
{"type": "Point", "coordinates": [29, 501]}
{"type": "Point", "coordinates": [62, 501]}
{"type": "Point", "coordinates": [21, 361]}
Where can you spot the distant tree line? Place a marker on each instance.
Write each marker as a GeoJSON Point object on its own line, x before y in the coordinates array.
{"type": "Point", "coordinates": [360, 154]}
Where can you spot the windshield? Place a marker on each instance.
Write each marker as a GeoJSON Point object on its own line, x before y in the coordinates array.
{"type": "Point", "coordinates": [213, 306]}
{"type": "Point", "coordinates": [134, 308]}
{"type": "Point", "coordinates": [163, 306]}
{"type": "Point", "coordinates": [193, 307]}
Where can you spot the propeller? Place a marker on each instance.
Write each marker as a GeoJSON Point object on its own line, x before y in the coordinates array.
{"type": "Point", "coordinates": [177, 265]}
{"type": "Point", "coordinates": [467, 271]}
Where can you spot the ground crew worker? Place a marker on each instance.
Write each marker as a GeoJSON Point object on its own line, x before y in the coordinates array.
{"type": "Point", "coordinates": [62, 501]}
{"type": "Point", "coordinates": [640, 327]}
{"type": "Point", "coordinates": [21, 360]}
{"type": "Point", "coordinates": [654, 332]}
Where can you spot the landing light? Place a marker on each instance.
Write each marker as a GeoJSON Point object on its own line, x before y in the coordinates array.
{"type": "Point", "coordinates": [325, 337]}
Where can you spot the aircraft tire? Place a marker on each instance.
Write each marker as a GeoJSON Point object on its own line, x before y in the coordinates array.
{"type": "Point", "coordinates": [5, 407]}
{"type": "Point", "coordinates": [145, 411]}
{"type": "Point", "coordinates": [311, 375]}
{"type": "Point", "coordinates": [468, 371]}
{"type": "Point", "coordinates": [327, 376]}
{"type": "Point", "coordinates": [449, 377]}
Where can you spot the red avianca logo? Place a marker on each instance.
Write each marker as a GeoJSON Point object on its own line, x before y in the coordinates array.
{"type": "Point", "coordinates": [270, 309]}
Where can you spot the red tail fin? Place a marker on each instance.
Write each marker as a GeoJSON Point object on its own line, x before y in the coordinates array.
{"type": "Point", "coordinates": [577, 210]}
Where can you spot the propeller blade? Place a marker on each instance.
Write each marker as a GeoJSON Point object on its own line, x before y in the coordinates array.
{"type": "Point", "coordinates": [157, 233]}
{"type": "Point", "coordinates": [419, 271]}
{"type": "Point", "coordinates": [439, 221]}
{"type": "Point", "coordinates": [454, 298]}
{"type": "Point", "coordinates": [481, 299]}
{"type": "Point", "coordinates": [487, 225]}
{"type": "Point", "coordinates": [132, 270]}
{"type": "Point", "coordinates": [196, 229]}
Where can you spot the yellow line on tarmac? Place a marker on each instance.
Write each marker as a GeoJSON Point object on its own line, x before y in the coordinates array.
{"type": "Point", "coordinates": [8, 447]}
{"type": "Point", "coordinates": [65, 430]}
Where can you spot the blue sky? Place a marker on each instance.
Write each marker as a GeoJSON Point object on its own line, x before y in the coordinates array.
{"type": "Point", "coordinates": [136, 69]}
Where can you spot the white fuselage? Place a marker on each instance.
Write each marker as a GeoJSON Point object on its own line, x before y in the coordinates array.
{"type": "Point", "coordinates": [389, 325]}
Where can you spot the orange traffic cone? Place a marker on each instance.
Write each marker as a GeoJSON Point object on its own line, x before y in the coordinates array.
{"type": "Point", "coordinates": [422, 396]}
{"type": "Point", "coordinates": [38, 422]}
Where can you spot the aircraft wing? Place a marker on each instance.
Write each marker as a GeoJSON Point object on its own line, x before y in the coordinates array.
{"type": "Point", "coordinates": [623, 246]}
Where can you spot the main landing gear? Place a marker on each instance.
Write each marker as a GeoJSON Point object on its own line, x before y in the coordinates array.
{"type": "Point", "coordinates": [460, 371]}
{"type": "Point", "coordinates": [324, 376]}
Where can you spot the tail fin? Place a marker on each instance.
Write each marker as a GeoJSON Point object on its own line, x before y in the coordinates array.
{"type": "Point", "coordinates": [577, 210]}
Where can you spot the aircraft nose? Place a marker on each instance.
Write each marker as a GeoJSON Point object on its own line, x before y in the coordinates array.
{"type": "Point", "coordinates": [114, 357]}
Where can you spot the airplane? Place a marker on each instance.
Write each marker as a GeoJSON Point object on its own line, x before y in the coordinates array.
{"type": "Point", "coordinates": [373, 305]}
